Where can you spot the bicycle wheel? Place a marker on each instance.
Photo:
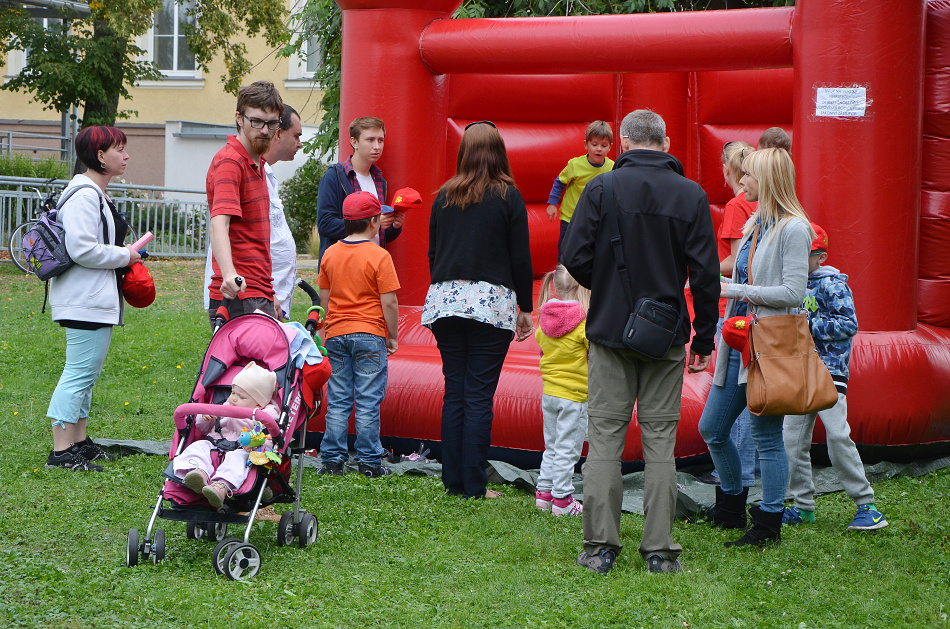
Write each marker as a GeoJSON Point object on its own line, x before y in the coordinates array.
{"type": "Point", "coordinates": [15, 246]}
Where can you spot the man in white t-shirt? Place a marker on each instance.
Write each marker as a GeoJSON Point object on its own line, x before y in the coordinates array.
{"type": "Point", "coordinates": [283, 249]}
{"type": "Point", "coordinates": [358, 173]}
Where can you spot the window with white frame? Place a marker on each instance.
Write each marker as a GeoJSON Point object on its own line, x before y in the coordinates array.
{"type": "Point", "coordinates": [169, 50]}
{"type": "Point", "coordinates": [17, 59]}
{"type": "Point", "coordinates": [304, 66]}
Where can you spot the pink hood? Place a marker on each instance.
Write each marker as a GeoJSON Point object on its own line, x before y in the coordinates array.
{"type": "Point", "coordinates": [560, 317]}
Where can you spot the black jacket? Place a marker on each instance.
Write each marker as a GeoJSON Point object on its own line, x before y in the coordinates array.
{"type": "Point", "coordinates": [486, 242]}
{"type": "Point", "coordinates": [667, 234]}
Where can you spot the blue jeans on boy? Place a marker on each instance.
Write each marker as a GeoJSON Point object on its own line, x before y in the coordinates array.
{"type": "Point", "coordinates": [360, 372]}
{"type": "Point", "coordinates": [723, 407]}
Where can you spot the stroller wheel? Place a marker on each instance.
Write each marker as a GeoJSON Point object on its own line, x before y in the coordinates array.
{"type": "Point", "coordinates": [195, 530]}
{"type": "Point", "coordinates": [132, 549]}
{"type": "Point", "coordinates": [221, 551]}
{"type": "Point", "coordinates": [309, 526]}
{"type": "Point", "coordinates": [217, 531]}
{"type": "Point", "coordinates": [285, 529]}
{"type": "Point", "coordinates": [158, 546]}
{"type": "Point", "coordinates": [243, 561]}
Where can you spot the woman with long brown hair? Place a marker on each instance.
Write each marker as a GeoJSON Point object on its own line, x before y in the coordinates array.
{"type": "Point", "coordinates": [479, 298]}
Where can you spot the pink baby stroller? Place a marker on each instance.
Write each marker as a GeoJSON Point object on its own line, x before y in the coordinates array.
{"type": "Point", "coordinates": [236, 342]}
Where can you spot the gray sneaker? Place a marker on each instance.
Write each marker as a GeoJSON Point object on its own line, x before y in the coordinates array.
{"type": "Point", "coordinates": [600, 563]}
{"type": "Point", "coordinates": [333, 468]}
{"type": "Point", "coordinates": [657, 564]}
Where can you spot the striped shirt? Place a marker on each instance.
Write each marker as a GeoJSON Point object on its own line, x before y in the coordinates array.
{"type": "Point", "coordinates": [237, 187]}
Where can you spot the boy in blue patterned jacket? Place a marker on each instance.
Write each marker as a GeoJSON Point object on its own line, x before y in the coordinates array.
{"type": "Point", "coordinates": [833, 325]}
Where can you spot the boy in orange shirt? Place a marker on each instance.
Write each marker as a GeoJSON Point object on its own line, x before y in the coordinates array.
{"type": "Point", "coordinates": [358, 286]}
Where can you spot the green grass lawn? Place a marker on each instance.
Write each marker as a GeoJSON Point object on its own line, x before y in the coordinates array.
{"type": "Point", "coordinates": [394, 551]}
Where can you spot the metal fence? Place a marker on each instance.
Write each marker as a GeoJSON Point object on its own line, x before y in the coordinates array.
{"type": "Point", "coordinates": [180, 226]}
{"type": "Point", "coordinates": [58, 145]}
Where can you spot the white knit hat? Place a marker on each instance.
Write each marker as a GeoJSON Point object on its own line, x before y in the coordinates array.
{"type": "Point", "coordinates": [259, 383]}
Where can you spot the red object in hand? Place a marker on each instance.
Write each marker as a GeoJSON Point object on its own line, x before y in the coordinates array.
{"type": "Point", "coordinates": [138, 286]}
{"type": "Point", "coordinates": [735, 333]}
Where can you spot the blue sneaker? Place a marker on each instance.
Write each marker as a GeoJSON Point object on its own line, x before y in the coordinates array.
{"type": "Point", "coordinates": [792, 516]}
{"type": "Point", "coordinates": [867, 519]}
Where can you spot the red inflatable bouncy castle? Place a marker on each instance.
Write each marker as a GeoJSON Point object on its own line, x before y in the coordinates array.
{"type": "Point", "coordinates": [864, 92]}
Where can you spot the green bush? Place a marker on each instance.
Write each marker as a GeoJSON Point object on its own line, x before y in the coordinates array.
{"type": "Point", "coordinates": [299, 194]}
{"type": "Point", "coordinates": [20, 165]}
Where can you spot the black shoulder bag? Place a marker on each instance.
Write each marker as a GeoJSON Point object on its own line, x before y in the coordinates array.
{"type": "Point", "coordinates": [652, 324]}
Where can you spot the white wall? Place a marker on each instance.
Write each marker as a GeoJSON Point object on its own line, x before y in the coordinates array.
{"type": "Point", "coordinates": [187, 158]}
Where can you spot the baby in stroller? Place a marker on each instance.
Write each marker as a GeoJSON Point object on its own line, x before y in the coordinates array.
{"type": "Point", "coordinates": [253, 387]}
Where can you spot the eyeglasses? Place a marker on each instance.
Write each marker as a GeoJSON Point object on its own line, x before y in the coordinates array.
{"type": "Point", "coordinates": [480, 122]}
{"type": "Point", "coordinates": [260, 124]}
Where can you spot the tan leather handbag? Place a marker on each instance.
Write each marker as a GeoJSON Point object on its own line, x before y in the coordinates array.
{"type": "Point", "coordinates": [786, 374]}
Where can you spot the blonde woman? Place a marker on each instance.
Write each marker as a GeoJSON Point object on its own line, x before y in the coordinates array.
{"type": "Point", "coordinates": [779, 273]}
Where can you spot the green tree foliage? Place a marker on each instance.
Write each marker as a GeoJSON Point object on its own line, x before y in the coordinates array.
{"type": "Point", "coordinates": [323, 19]}
{"type": "Point", "coordinates": [299, 194]}
{"type": "Point", "coordinates": [90, 62]}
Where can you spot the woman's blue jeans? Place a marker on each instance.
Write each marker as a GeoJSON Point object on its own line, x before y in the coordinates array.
{"type": "Point", "coordinates": [360, 373]}
{"type": "Point", "coordinates": [472, 356]}
{"type": "Point", "coordinates": [723, 407]}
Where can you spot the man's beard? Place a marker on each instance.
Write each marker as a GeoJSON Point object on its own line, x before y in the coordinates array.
{"type": "Point", "coordinates": [260, 144]}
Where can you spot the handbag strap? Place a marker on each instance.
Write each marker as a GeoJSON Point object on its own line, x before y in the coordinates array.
{"type": "Point", "coordinates": [610, 207]}
{"type": "Point", "coordinates": [755, 241]}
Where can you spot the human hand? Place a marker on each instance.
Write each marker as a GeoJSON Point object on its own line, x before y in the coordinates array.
{"type": "Point", "coordinates": [385, 220]}
{"type": "Point", "coordinates": [723, 286]}
{"type": "Point", "coordinates": [697, 362]}
{"type": "Point", "coordinates": [525, 326]}
{"type": "Point", "coordinates": [134, 255]}
{"type": "Point", "coordinates": [552, 212]}
{"type": "Point", "coordinates": [399, 217]}
{"type": "Point", "coordinates": [278, 313]}
{"type": "Point", "coordinates": [391, 346]}
{"type": "Point", "coordinates": [232, 286]}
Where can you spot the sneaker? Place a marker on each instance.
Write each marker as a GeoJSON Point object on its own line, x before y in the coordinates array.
{"type": "Point", "coordinates": [543, 500]}
{"type": "Point", "coordinates": [374, 471]}
{"type": "Point", "coordinates": [93, 452]}
{"type": "Point", "coordinates": [867, 519]}
{"type": "Point", "coordinates": [657, 564]}
{"type": "Point", "coordinates": [600, 563]}
{"type": "Point", "coordinates": [195, 480]}
{"type": "Point", "coordinates": [216, 493]}
{"type": "Point", "coordinates": [792, 516]}
{"type": "Point", "coordinates": [566, 506]}
{"type": "Point", "coordinates": [72, 460]}
{"type": "Point", "coordinates": [334, 468]}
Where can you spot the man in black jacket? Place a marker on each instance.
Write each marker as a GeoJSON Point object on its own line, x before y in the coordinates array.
{"type": "Point", "coordinates": [666, 234]}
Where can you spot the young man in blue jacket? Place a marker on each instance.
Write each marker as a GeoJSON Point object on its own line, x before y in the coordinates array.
{"type": "Point", "coordinates": [358, 173]}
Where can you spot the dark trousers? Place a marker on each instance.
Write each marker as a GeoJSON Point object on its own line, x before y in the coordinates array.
{"type": "Point", "coordinates": [241, 306]}
{"type": "Point", "coordinates": [472, 356]}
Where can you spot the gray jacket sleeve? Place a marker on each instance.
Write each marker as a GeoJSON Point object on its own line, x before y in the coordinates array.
{"type": "Point", "coordinates": [779, 269]}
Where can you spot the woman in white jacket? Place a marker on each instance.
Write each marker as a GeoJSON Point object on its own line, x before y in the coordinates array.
{"type": "Point", "coordinates": [85, 300]}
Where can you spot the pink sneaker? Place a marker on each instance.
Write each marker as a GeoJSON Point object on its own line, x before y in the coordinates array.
{"type": "Point", "coordinates": [566, 506]}
{"type": "Point", "coordinates": [543, 500]}
{"type": "Point", "coordinates": [216, 493]}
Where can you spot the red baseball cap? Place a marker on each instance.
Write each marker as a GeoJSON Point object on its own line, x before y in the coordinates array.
{"type": "Point", "coordinates": [820, 243]}
{"type": "Point", "coordinates": [138, 286]}
{"type": "Point", "coordinates": [735, 334]}
{"type": "Point", "coordinates": [406, 198]}
{"type": "Point", "coordinates": [360, 205]}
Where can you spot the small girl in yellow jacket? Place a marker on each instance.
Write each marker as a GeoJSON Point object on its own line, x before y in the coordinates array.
{"type": "Point", "coordinates": [562, 337]}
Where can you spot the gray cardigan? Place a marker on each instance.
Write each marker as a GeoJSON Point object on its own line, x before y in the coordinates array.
{"type": "Point", "coordinates": [779, 274]}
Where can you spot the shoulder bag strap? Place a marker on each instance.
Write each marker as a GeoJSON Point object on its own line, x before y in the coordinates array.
{"type": "Point", "coordinates": [755, 241]}
{"type": "Point", "coordinates": [338, 168]}
{"type": "Point", "coordinates": [62, 201]}
{"type": "Point", "coordinates": [609, 206]}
